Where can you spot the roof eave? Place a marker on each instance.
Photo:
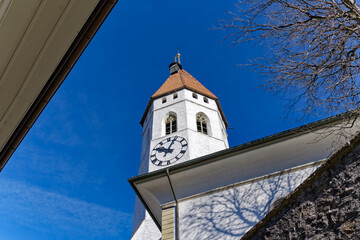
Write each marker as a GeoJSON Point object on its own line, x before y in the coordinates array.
{"type": "Point", "coordinates": [331, 161]}
{"type": "Point", "coordinates": [132, 183]}
{"type": "Point", "coordinates": [253, 145]}
{"type": "Point", "coordinates": [281, 136]}
{"type": "Point", "coordinates": [83, 38]}
{"type": "Point", "coordinates": [177, 89]}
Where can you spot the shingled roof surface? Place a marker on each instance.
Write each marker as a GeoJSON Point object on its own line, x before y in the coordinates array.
{"type": "Point", "coordinates": [179, 80]}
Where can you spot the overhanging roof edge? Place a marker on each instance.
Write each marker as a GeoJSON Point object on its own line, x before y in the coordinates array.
{"type": "Point", "coordinates": [240, 149]}
{"type": "Point", "coordinates": [177, 89]}
{"type": "Point", "coordinates": [145, 204]}
{"type": "Point", "coordinates": [93, 23]}
{"type": "Point", "coordinates": [287, 200]}
{"type": "Point", "coordinates": [265, 141]}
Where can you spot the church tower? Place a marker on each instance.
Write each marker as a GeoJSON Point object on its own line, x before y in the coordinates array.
{"type": "Point", "coordinates": [182, 121]}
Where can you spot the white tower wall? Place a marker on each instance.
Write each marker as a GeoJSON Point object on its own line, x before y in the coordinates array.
{"type": "Point", "coordinates": [185, 107]}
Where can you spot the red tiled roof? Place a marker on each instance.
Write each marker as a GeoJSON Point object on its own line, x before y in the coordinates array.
{"type": "Point", "coordinates": [179, 80]}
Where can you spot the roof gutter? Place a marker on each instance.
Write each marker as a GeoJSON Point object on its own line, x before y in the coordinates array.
{"type": "Point", "coordinates": [144, 203]}
{"type": "Point", "coordinates": [273, 214]}
{"type": "Point", "coordinates": [83, 38]}
{"type": "Point", "coordinates": [249, 146]}
{"type": "Point", "coordinates": [167, 173]}
{"type": "Point", "coordinates": [217, 156]}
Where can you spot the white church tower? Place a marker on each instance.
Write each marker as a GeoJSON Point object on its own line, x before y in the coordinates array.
{"type": "Point", "coordinates": [182, 121]}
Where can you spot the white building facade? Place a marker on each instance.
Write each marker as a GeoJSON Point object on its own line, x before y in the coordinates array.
{"type": "Point", "coordinates": [230, 211]}
{"type": "Point", "coordinates": [183, 121]}
{"type": "Point", "coordinates": [191, 185]}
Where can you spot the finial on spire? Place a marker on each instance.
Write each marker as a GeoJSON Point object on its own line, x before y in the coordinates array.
{"type": "Point", "coordinates": [178, 56]}
{"type": "Point", "coordinates": [176, 65]}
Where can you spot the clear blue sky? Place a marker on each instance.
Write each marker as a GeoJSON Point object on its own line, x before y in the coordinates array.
{"type": "Point", "coordinates": [68, 178]}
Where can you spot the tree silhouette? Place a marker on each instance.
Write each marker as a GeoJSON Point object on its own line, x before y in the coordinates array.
{"type": "Point", "coordinates": [314, 46]}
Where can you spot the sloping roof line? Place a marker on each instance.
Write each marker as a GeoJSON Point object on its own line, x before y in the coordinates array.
{"type": "Point", "coordinates": [281, 136]}
{"type": "Point", "coordinates": [262, 142]}
{"type": "Point", "coordinates": [332, 160]}
{"type": "Point", "coordinates": [178, 81]}
{"type": "Point", "coordinates": [81, 41]}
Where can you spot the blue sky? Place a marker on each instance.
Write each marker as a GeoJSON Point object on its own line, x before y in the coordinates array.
{"type": "Point", "coordinates": [68, 178]}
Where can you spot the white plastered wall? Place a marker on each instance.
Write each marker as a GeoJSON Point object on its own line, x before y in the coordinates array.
{"type": "Point", "coordinates": [228, 213]}
{"type": "Point", "coordinates": [185, 107]}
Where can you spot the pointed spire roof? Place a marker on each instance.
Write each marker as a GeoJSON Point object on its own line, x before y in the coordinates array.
{"type": "Point", "coordinates": [179, 80]}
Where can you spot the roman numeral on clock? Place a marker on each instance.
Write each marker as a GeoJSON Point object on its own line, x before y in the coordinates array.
{"type": "Point", "coordinates": [175, 148]}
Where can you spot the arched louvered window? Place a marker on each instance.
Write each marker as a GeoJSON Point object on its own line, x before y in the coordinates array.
{"type": "Point", "coordinates": [170, 124]}
{"type": "Point", "coordinates": [201, 124]}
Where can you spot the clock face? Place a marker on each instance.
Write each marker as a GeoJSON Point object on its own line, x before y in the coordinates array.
{"type": "Point", "coordinates": [168, 151]}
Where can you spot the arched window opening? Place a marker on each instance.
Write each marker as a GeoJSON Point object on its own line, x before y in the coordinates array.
{"type": "Point", "coordinates": [175, 95]}
{"type": "Point", "coordinates": [164, 100]}
{"type": "Point", "coordinates": [201, 124]}
{"type": "Point", "coordinates": [206, 100]}
{"type": "Point", "coordinates": [195, 95]}
{"type": "Point", "coordinates": [170, 124]}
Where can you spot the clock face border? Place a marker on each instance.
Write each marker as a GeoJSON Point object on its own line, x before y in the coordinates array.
{"type": "Point", "coordinates": [180, 152]}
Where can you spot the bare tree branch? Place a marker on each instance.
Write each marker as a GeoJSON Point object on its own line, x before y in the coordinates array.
{"type": "Point", "coordinates": [315, 50]}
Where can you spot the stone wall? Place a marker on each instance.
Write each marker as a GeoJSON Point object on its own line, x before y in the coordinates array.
{"type": "Point", "coordinates": [326, 207]}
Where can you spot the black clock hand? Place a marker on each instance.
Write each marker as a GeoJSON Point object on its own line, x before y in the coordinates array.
{"type": "Point", "coordinates": [165, 147]}
{"type": "Point", "coordinates": [169, 149]}
{"type": "Point", "coordinates": [164, 150]}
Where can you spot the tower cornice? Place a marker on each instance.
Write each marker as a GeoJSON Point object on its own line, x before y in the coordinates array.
{"type": "Point", "coordinates": [182, 80]}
